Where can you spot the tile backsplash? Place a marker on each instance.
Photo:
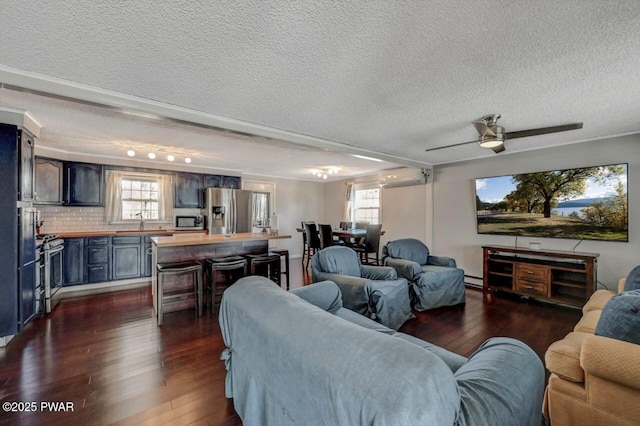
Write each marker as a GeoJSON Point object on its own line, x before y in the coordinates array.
{"type": "Point", "coordinates": [59, 219]}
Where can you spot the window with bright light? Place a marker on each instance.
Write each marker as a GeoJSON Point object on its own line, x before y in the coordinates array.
{"type": "Point", "coordinates": [366, 206]}
{"type": "Point", "coordinates": [139, 199]}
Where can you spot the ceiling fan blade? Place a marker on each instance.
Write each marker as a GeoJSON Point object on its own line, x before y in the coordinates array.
{"type": "Point", "coordinates": [450, 146]}
{"type": "Point", "coordinates": [498, 148]}
{"type": "Point", "coordinates": [483, 129]}
{"type": "Point", "coordinates": [542, 131]}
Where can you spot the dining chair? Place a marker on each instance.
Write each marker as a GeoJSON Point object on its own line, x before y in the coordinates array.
{"type": "Point", "coordinates": [326, 237]}
{"type": "Point", "coordinates": [346, 225]}
{"type": "Point", "coordinates": [313, 241]}
{"type": "Point", "coordinates": [371, 244]}
{"type": "Point", "coordinates": [305, 247]}
{"type": "Point", "coordinates": [360, 225]}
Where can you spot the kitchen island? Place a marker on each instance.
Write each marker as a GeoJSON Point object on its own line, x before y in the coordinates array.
{"type": "Point", "coordinates": [182, 248]}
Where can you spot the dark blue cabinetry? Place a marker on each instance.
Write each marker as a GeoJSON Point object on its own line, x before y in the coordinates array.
{"type": "Point", "coordinates": [232, 182]}
{"type": "Point", "coordinates": [17, 230]}
{"type": "Point", "coordinates": [48, 181]}
{"type": "Point", "coordinates": [188, 190]}
{"type": "Point", "coordinates": [97, 259]}
{"type": "Point", "coordinates": [74, 262]}
{"type": "Point", "coordinates": [126, 255]}
{"type": "Point", "coordinates": [83, 184]}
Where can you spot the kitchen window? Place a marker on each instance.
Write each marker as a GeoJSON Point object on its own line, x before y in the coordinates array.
{"type": "Point", "coordinates": [133, 196]}
{"type": "Point", "coordinates": [139, 199]}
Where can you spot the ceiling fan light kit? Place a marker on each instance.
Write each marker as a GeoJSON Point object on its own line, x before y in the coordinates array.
{"type": "Point", "coordinates": [492, 136]}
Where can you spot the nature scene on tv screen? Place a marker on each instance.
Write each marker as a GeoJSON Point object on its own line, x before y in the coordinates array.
{"type": "Point", "coordinates": [587, 203]}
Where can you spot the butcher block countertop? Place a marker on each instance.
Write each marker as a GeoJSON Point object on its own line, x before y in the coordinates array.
{"type": "Point", "coordinates": [192, 240]}
{"type": "Point", "coordinates": [167, 232]}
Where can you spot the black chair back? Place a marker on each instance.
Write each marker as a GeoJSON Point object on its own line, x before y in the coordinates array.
{"type": "Point", "coordinates": [326, 236]}
{"type": "Point", "coordinates": [313, 239]}
{"type": "Point", "coordinates": [346, 225]}
{"type": "Point", "coordinates": [304, 234]}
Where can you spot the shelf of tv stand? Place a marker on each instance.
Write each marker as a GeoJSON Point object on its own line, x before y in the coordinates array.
{"type": "Point", "coordinates": [557, 276]}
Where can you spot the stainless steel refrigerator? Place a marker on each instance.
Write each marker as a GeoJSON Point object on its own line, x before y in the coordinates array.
{"type": "Point", "coordinates": [228, 210]}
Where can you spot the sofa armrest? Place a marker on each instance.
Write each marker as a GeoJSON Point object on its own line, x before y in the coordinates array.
{"type": "Point", "coordinates": [325, 294]}
{"type": "Point", "coordinates": [611, 360]}
{"type": "Point", "coordinates": [502, 383]}
{"type": "Point", "coordinates": [352, 288]}
{"type": "Point", "coordinates": [389, 301]}
{"type": "Point", "coordinates": [378, 272]}
{"type": "Point", "coordinates": [442, 261]}
{"type": "Point", "coordinates": [404, 268]}
{"type": "Point", "coordinates": [621, 284]}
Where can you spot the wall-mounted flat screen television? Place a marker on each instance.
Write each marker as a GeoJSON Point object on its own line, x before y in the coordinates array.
{"type": "Point", "coordinates": [587, 203]}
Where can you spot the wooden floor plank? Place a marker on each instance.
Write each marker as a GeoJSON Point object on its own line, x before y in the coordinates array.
{"type": "Point", "coordinates": [106, 354]}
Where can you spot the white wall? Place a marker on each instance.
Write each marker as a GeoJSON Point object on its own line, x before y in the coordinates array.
{"type": "Point", "coordinates": [454, 221]}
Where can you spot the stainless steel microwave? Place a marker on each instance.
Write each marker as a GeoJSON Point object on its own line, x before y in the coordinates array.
{"type": "Point", "coordinates": [189, 222]}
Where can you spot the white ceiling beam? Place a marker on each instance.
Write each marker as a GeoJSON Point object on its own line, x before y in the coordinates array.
{"type": "Point", "coordinates": [16, 79]}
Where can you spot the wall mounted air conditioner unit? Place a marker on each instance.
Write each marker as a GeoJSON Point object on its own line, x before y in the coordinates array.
{"type": "Point", "coordinates": [405, 176]}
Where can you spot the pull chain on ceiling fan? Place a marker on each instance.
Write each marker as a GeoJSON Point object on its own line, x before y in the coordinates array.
{"type": "Point", "coordinates": [492, 136]}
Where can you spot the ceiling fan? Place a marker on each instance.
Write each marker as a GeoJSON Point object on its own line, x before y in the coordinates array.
{"type": "Point", "coordinates": [492, 136]}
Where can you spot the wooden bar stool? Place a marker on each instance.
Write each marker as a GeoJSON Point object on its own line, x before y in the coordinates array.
{"type": "Point", "coordinates": [233, 267]}
{"type": "Point", "coordinates": [283, 253]}
{"type": "Point", "coordinates": [267, 265]}
{"type": "Point", "coordinates": [172, 296]}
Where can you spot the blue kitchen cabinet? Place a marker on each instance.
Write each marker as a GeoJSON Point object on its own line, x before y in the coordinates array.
{"type": "Point", "coordinates": [48, 181]}
{"type": "Point", "coordinates": [74, 262]}
{"type": "Point", "coordinates": [212, 181]}
{"type": "Point", "coordinates": [83, 184]}
{"type": "Point", "coordinates": [233, 182]}
{"type": "Point", "coordinates": [98, 265]}
{"type": "Point", "coordinates": [188, 191]}
{"type": "Point", "coordinates": [126, 257]}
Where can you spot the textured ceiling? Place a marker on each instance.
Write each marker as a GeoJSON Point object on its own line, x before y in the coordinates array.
{"type": "Point", "coordinates": [393, 77]}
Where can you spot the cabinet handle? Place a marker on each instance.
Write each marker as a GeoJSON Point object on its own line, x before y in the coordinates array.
{"type": "Point", "coordinates": [149, 251]}
{"type": "Point", "coordinates": [530, 272]}
{"type": "Point", "coordinates": [529, 287]}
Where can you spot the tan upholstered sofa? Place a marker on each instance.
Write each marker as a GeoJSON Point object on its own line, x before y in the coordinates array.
{"type": "Point", "coordinates": [594, 380]}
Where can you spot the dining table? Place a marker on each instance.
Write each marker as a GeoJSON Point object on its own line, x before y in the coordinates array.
{"type": "Point", "coordinates": [349, 236]}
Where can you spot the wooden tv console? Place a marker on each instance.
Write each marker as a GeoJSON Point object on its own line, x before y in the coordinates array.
{"type": "Point", "coordinates": [556, 276]}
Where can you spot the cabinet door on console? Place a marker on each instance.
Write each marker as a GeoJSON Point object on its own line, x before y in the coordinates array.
{"type": "Point", "coordinates": [84, 184]}
{"type": "Point", "coordinates": [48, 181]}
{"type": "Point", "coordinates": [188, 191]}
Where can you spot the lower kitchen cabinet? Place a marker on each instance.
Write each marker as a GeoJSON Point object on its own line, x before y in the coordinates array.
{"type": "Point", "coordinates": [98, 259]}
{"type": "Point", "coordinates": [126, 257]}
{"type": "Point", "coordinates": [74, 262]}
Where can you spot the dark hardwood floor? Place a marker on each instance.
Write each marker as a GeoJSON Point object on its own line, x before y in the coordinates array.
{"type": "Point", "coordinates": [105, 354]}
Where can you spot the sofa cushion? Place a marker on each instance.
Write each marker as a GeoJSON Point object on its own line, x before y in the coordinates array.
{"type": "Point", "coordinates": [563, 357]}
{"type": "Point", "coordinates": [620, 317]}
{"type": "Point", "coordinates": [409, 249]}
{"type": "Point", "coordinates": [339, 260]}
{"type": "Point", "coordinates": [633, 279]}
{"type": "Point", "coordinates": [588, 322]}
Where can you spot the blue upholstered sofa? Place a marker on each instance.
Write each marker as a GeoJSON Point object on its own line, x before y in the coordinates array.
{"type": "Point", "coordinates": [373, 291]}
{"type": "Point", "coordinates": [435, 280]}
{"type": "Point", "coordinates": [300, 358]}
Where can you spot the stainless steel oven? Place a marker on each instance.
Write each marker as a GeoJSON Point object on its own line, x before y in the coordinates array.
{"type": "Point", "coordinates": [51, 258]}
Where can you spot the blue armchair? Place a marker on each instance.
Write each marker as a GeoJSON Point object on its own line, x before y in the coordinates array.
{"type": "Point", "coordinates": [372, 291]}
{"type": "Point", "coordinates": [435, 280]}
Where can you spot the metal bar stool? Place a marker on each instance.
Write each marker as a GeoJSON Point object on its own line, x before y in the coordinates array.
{"type": "Point", "coordinates": [267, 265]}
{"type": "Point", "coordinates": [173, 293]}
{"type": "Point", "coordinates": [283, 253]}
{"type": "Point", "coordinates": [233, 267]}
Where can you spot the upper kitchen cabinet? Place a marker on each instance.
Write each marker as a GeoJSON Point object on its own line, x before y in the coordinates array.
{"type": "Point", "coordinates": [83, 184]}
{"type": "Point", "coordinates": [188, 191]}
{"type": "Point", "coordinates": [26, 166]}
{"type": "Point", "coordinates": [48, 181]}
{"type": "Point", "coordinates": [233, 182]}
{"type": "Point", "coordinates": [212, 181]}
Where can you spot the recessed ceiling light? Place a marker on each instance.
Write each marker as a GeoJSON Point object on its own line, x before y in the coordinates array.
{"type": "Point", "coordinates": [187, 160]}
{"type": "Point", "coordinates": [152, 155]}
{"type": "Point", "coordinates": [170, 157]}
{"type": "Point", "coordinates": [131, 153]}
